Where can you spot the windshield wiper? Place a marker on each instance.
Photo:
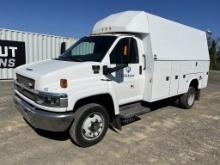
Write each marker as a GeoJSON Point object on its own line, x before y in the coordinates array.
{"type": "Point", "coordinates": [77, 59]}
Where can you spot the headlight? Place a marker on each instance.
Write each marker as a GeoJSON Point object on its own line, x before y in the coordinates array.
{"type": "Point", "coordinates": [52, 99]}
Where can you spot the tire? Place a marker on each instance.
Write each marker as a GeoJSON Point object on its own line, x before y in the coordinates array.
{"type": "Point", "coordinates": [90, 125]}
{"type": "Point", "coordinates": [187, 100]}
{"type": "Point", "coordinates": [176, 101]}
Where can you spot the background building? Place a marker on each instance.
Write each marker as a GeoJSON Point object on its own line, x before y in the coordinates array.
{"type": "Point", "coordinates": [19, 47]}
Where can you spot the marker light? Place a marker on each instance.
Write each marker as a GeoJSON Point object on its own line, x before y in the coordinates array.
{"type": "Point", "coordinates": [63, 83]}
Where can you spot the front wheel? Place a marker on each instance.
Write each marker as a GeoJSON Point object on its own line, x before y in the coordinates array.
{"type": "Point", "coordinates": [187, 100]}
{"type": "Point", "coordinates": [90, 125]}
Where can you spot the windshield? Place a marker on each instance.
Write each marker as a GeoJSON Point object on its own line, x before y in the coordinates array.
{"type": "Point", "coordinates": [92, 48]}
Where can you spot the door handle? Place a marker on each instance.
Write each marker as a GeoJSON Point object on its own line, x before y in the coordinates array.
{"type": "Point", "coordinates": [140, 70]}
{"type": "Point", "coordinates": [167, 78]}
{"type": "Point", "coordinates": [145, 64]}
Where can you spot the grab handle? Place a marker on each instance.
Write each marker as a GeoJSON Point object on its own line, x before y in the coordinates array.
{"type": "Point", "coordinates": [145, 64]}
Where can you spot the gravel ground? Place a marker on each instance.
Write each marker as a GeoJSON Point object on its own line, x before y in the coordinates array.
{"type": "Point", "coordinates": [167, 135]}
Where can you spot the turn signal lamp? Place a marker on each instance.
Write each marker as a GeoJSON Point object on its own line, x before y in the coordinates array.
{"type": "Point", "coordinates": [63, 83]}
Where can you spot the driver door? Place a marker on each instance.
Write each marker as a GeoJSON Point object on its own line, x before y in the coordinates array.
{"type": "Point", "coordinates": [126, 81]}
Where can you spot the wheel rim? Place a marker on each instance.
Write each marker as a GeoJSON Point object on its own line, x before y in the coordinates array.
{"type": "Point", "coordinates": [191, 98]}
{"type": "Point", "coordinates": [93, 126]}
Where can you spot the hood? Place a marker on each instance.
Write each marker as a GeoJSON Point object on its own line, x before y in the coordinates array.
{"type": "Point", "coordinates": [49, 72]}
{"type": "Point", "coordinates": [45, 67]}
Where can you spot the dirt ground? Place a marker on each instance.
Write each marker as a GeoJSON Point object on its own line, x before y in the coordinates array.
{"type": "Point", "coordinates": [165, 136]}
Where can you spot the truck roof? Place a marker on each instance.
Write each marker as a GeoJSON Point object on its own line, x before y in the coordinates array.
{"type": "Point", "coordinates": [128, 21]}
{"type": "Point", "coordinates": [168, 40]}
{"type": "Point", "coordinates": [122, 22]}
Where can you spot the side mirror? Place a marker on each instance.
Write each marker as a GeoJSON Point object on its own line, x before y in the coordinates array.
{"type": "Point", "coordinates": [63, 47]}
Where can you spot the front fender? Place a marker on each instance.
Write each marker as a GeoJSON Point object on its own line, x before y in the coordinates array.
{"type": "Point", "coordinates": [91, 90]}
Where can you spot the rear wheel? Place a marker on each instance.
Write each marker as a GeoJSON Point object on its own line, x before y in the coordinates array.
{"type": "Point", "coordinates": [187, 100]}
{"type": "Point", "coordinates": [90, 125]}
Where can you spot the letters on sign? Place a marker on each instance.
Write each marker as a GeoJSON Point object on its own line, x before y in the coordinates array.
{"type": "Point", "coordinates": [12, 54]}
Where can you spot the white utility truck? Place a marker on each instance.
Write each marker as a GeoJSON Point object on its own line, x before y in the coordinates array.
{"type": "Point", "coordinates": [131, 57]}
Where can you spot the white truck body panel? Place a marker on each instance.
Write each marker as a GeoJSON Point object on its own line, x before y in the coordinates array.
{"type": "Point", "coordinates": [174, 41]}
{"type": "Point", "coordinates": [161, 87]}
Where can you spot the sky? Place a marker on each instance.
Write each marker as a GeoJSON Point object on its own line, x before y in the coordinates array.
{"type": "Point", "coordinates": [76, 18]}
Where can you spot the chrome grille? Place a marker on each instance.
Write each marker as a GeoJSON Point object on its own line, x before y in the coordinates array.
{"type": "Point", "coordinates": [25, 92]}
{"type": "Point", "coordinates": [25, 81]}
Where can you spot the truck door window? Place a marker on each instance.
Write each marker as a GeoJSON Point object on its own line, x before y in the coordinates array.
{"type": "Point", "coordinates": [134, 57]}
{"type": "Point", "coordinates": [117, 55]}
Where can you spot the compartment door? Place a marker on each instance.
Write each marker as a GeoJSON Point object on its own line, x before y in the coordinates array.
{"type": "Point", "coordinates": [175, 76]}
{"type": "Point", "coordinates": [161, 80]}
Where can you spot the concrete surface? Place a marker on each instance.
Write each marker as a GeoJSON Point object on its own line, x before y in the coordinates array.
{"type": "Point", "coordinates": [168, 135]}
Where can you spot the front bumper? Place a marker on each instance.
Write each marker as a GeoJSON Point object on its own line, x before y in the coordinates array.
{"type": "Point", "coordinates": [50, 121]}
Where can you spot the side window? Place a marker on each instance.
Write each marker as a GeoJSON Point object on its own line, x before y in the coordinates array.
{"type": "Point", "coordinates": [133, 57]}
{"type": "Point", "coordinates": [117, 55]}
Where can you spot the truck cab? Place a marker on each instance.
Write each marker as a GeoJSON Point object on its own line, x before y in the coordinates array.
{"type": "Point", "coordinates": [103, 68]}
{"type": "Point", "coordinates": [83, 89]}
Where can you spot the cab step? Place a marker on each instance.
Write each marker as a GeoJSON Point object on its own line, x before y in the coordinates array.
{"type": "Point", "coordinates": [130, 119]}
{"type": "Point", "coordinates": [135, 109]}
{"type": "Point", "coordinates": [129, 113]}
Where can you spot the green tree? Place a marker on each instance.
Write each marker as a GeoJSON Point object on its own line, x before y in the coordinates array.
{"type": "Point", "coordinates": [213, 53]}
{"type": "Point", "coordinates": [213, 45]}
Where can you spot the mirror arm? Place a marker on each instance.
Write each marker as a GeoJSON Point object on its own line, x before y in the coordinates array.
{"type": "Point", "coordinates": [107, 70]}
